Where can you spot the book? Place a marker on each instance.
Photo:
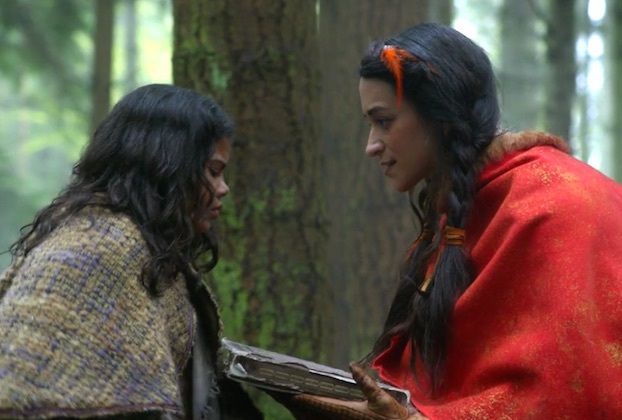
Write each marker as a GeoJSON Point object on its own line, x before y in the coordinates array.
{"type": "Point", "coordinates": [279, 372]}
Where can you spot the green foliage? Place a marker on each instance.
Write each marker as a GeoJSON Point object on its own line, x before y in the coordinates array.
{"type": "Point", "coordinates": [252, 302]}
{"type": "Point", "coordinates": [43, 37]}
{"type": "Point", "coordinates": [270, 408]}
{"type": "Point", "coordinates": [220, 78]}
{"type": "Point", "coordinates": [286, 201]}
{"type": "Point", "coordinates": [45, 73]}
{"type": "Point", "coordinates": [232, 298]}
{"type": "Point", "coordinates": [38, 142]}
{"type": "Point", "coordinates": [13, 207]}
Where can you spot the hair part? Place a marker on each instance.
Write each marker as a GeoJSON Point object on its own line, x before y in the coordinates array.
{"type": "Point", "coordinates": [452, 86]}
{"type": "Point", "coordinates": [147, 160]}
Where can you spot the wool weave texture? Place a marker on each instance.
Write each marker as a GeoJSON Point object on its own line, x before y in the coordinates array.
{"type": "Point", "coordinates": [81, 336]}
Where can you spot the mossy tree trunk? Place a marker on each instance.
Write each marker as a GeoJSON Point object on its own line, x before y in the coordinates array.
{"type": "Point", "coordinates": [259, 59]}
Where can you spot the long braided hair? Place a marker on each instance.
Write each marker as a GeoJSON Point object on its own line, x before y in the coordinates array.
{"type": "Point", "coordinates": [147, 160]}
{"type": "Point", "coordinates": [450, 82]}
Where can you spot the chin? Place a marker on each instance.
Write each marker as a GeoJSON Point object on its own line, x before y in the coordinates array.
{"type": "Point", "coordinates": [203, 226]}
{"type": "Point", "coordinates": [402, 187]}
{"type": "Point", "coordinates": [407, 184]}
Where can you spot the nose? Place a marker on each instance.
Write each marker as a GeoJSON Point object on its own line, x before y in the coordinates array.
{"type": "Point", "coordinates": [222, 188]}
{"type": "Point", "coordinates": [374, 145]}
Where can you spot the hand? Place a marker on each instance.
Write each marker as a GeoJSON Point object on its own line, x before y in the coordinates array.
{"type": "Point", "coordinates": [378, 406]}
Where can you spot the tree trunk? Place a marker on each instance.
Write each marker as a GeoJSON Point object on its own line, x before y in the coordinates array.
{"type": "Point", "coordinates": [259, 59]}
{"type": "Point", "coordinates": [615, 58]}
{"type": "Point", "coordinates": [441, 11]}
{"type": "Point", "coordinates": [102, 66]}
{"type": "Point", "coordinates": [131, 51]}
{"type": "Point", "coordinates": [584, 29]}
{"type": "Point", "coordinates": [370, 225]}
{"type": "Point", "coordinates": [521, 64]}
{"type": "Point", "coordinates": [560, 40]}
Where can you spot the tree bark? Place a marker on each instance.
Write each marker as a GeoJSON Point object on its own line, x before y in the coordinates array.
{"type": "Point", "coordinates": [102, 65]}
{"type": "Point", "coordinates": [560, 40]}
{"type": "Point", "coordinates": [259, 59]}
{"type": "Point", "coordinates": [370, 225]}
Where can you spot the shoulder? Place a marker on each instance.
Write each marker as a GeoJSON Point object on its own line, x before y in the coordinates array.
{"type": "Point", "coordinates": [98, 227]}
{"type": "Point", "coordinates": [93, 239]}
{"type": "Point", "coordinates": [539, 197]}
{"type": "Point", "coordinates": [88, 256]}
{"type": "Point", "coordinates": [77, 303]}
{"type": "Point", "coordinates": [546, 177]}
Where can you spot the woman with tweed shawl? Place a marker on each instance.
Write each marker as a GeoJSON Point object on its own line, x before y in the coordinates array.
{"type": "Point", "coordinates": [102, 311]}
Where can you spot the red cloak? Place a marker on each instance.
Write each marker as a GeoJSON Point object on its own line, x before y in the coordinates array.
{"type": "Point", "coordinates": [538, 334]}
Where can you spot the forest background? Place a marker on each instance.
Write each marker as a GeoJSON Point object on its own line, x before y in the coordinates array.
{"type": "Point", "coordinates": [312, 236]}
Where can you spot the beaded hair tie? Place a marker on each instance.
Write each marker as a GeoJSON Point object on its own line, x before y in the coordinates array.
{"type": "Point", "coordinates": [453, 236]}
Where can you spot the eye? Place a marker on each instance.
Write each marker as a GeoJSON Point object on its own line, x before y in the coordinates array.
{"type": "Point", "coordinates": [385, 123]}
{"type": "Point", "coordinates": [215, 170]}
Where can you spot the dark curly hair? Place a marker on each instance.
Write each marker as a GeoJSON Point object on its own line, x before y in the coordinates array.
{"type": "Point", "coordinates": [147, 160]}
{"type": "Point", "coordinates": [451, 84]}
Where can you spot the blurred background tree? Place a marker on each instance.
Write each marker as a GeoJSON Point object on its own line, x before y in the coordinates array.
{"type": "Point", "coordinates": [521, 68]}
{"type": "Point", "coordinates": [47, 75]}
{"type": "Point", "coordinates": [369, 223]}
{"type": "Point", "coordinates": [314, 235]}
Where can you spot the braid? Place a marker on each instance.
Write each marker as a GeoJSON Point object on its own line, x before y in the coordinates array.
{"type": "Point", "coordinates": [453, 273]}
{"type": "Point", "coordinates": [452, 86]}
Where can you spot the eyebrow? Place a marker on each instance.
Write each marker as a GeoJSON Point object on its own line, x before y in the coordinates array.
{"type": "Point", "coordinates": [374, 110]}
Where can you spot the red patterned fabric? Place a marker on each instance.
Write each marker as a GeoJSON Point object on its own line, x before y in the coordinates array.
{"type": "Point", "coordinates": [538, 334]}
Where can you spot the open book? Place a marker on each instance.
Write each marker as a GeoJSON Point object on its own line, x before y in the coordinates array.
{"type": "Point", "coordinates": [279, 372]}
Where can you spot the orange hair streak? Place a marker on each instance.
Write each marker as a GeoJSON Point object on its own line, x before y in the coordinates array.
{"type": "Point", "coordinates": [392, 57]}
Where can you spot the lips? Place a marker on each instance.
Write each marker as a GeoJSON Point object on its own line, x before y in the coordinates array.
{"type": "Point", "coordinates": [387, 164]}
{"type": "Point", "coordinates": [215, 212]}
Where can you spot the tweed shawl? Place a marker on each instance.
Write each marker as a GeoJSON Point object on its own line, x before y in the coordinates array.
{"type": "Point", "coordinates": [81, 336]}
